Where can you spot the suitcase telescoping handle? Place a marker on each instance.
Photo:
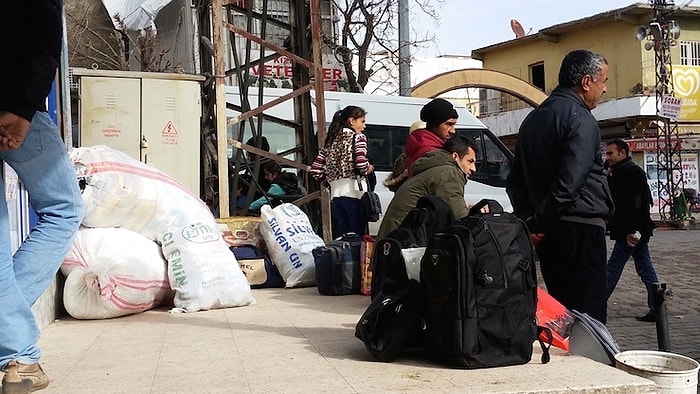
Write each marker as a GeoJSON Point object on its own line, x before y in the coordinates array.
{"type": "Point", "coordinates": [493, 205]}
{"type": "Point", "coordinates": [347, 236]}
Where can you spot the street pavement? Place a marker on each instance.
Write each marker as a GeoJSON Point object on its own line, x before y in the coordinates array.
{"type": "Point", "coordinates": [676, 257]}
{"type": "Point", "coordinates": [294, 340]}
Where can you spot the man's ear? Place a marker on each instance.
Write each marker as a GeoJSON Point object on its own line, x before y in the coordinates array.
{"type": "Point", "coordinates": [455, 156]}
{"type": "Point", "coordinates": [586, 82]}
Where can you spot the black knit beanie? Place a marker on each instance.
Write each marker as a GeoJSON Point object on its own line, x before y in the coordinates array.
{"type": "Point", "coordinates": [437, 111]}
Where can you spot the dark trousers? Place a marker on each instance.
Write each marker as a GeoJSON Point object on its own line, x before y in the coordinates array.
{"type": "Point", "coordinates": [346, 214]}
{"type": "Point", "coordinates": [572, 260]}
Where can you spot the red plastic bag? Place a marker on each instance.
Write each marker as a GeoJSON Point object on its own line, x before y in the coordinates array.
{"type": "Point", "coordinates": [555, 316]}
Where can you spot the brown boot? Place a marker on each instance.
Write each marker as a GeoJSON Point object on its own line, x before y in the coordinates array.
{"type": "Point", "coordinates": [23, 378]}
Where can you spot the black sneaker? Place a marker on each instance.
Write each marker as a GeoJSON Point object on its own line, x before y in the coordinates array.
{"type": "Point", "coordinates": [649, 317]}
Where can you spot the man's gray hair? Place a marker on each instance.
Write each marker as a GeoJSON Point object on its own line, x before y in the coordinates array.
{"type": "Point", "coordinates": [577, 64]}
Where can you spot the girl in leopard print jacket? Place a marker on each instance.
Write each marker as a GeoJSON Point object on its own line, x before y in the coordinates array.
{"type": "Point", "coordinates": [343, 157]}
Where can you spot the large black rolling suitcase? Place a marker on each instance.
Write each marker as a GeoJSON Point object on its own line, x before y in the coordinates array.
{"type": "Point", "coordinates": [338, 266]}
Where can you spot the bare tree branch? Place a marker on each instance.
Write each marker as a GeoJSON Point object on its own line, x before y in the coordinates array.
{"type": "Point", "coordinates": [368, 38]}
{"type": "Point", "coordinates": [112, 47]}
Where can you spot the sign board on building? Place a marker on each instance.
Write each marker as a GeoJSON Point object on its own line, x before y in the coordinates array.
{"type": "Point", "coordinates": [278, 74]}
{"type": "Point", "coordinates": [686, 85]}
{"type": "Point", "coordinates": [670, 107]}
{"type": "Point", "coordinates": [657, 175]}
{"type": "Point", "coordinates": [646, 145]}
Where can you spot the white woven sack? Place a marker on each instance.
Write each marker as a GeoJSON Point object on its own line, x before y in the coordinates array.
{"type": "Point", "coordinates": [113, 272]}
{"type": "Point", "coordinates": [120, 191]}
{"type": "Point", "coordinates": [290, 239]}
{"type": "Point", "coordinates": [202, 269]}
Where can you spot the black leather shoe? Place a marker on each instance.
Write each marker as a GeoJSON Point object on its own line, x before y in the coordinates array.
{"type": "Point", "coordinates": [647, 318]}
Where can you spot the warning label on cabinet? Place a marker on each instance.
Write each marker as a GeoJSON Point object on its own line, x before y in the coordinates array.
{"type": "Point", "coordinates": [169, 134]}
{"type": "Point", "coordinates": [111, 131]}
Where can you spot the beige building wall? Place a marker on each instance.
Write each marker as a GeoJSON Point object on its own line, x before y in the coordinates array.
{"type": "Point", "coordinates": [631, 66]}
{"type": "Point", "coordinates": [616, 41]}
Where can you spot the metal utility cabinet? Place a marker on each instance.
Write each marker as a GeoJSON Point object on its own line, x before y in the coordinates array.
{"type": "Point", "coordinates": [152, 117]}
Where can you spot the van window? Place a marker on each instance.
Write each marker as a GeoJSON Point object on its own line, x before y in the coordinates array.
{"type": "Point", "coordinates": [493, 161]}
{"type": "Point", "coordinates": [385, 144]}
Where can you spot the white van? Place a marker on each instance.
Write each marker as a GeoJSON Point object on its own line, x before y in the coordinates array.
{"type": "Point", "coordinates": [388, 120]}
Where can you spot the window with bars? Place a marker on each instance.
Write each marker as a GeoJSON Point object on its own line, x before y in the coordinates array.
{"type": "Point", "coordinates": [690, 53]}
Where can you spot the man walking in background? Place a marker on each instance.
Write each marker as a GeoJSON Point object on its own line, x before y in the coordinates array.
{"type": "Point", "coordinates": [631, 225]}
{"type": "Point", "coordinates": [558, 187]}
{"type": "Point", "coordinates": [31, 33]}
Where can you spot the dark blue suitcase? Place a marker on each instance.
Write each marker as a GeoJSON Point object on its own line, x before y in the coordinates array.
{"type": "Point", "coordinates": [338, 266]}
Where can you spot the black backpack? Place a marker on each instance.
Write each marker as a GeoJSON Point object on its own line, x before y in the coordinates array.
{"type": "Point", "coordinates": [392, 321]}
{"type": "Point", "coordinates": [430, 215]}
{"type": "Point", "coordinates": [481, 291]}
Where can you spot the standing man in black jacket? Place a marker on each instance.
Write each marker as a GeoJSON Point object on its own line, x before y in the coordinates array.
{"type": "Point", "coordinates": [558, 187]}
{"type": "Point", "coordinates": [632, 197]}
{"type": "Point", "coordinates": [30, 143]}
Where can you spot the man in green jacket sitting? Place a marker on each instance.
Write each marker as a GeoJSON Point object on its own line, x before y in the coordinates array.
{"type": "Point", "coordinates": [441, 173]}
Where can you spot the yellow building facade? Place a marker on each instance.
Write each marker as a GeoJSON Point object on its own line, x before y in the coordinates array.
{"type": "Point", "coordinates": [628, 109]}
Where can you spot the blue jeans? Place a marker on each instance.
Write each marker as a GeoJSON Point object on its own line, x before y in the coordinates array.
{"type": "Point", "coordinates": [642, 263]}
{"type": "Point", "coordinates": [44, 168]}
{"type": "Point", "coordinates": [346, 214]}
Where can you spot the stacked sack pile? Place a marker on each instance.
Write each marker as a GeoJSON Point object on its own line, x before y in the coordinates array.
{"type": "Point", "coordinates": [145, 239]}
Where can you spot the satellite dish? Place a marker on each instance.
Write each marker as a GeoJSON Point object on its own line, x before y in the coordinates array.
{"type": "Point", "coordinates": [517, 28]}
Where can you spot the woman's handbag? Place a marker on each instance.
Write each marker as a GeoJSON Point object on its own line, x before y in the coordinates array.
{"type": "Point", "coordinates": [370, 204]}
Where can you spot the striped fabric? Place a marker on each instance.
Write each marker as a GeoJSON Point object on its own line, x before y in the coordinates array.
{"type": "Point", "coordinates": [337, 161]}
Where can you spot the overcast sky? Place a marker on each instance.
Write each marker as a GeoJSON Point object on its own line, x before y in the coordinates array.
{"type": "Point", "coordinates": [470, 24]}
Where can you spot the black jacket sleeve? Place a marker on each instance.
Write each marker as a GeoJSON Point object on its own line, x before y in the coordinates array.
{"type": "Point", "coordinates": [33, 32]}
{"type": "Point", "coordinates": [517, 190]}
{"type": "Point", "coordinates": [640, 205]}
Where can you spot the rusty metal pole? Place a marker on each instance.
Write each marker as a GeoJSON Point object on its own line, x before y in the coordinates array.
{"type": "Point", "coordinates": [220, 89]}
{"type": "Point", "coordinates": [320, 108]}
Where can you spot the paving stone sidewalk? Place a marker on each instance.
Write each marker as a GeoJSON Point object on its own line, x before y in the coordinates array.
{"type": "Point", "coordinates": [676, 257]}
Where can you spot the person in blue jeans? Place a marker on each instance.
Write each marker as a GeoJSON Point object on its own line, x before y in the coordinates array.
{"type": "Point", "coordinates": [631, 225]}
{"type": "Point", "coordinates": [338, 164]}
{"type": "Point", "coordinates": [30, 143]}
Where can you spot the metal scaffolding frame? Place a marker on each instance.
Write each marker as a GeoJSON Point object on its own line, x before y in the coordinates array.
{"type": "Point", "coordinates": [215, 18]}
{"type": "Point", "coordinates": [668, 152]}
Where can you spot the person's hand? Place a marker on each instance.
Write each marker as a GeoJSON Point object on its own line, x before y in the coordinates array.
{"type": "Point", "coordinates": [536, 238]}
{"type": "Point", "coordinates": [632, 240]}
{"type": "Point", "coordinates": [370, 169]}
{"type": "Point", "coordinates": [13, 129]}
